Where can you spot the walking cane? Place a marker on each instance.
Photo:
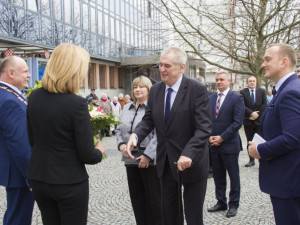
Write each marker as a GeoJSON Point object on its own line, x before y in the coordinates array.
{"type": "Point", "coordinates": [180, 205]}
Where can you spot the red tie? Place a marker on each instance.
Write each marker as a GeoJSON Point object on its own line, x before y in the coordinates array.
{"type": "Point", "coordinates": [218, 104]}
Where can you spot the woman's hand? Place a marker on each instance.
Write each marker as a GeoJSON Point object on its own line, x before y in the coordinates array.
{"type": "Point", "coordinates": [144, 161]}
{"type": "Point", "coordinates": [100, 147]}
{"type": "Point", "coordinates": [123, 150]}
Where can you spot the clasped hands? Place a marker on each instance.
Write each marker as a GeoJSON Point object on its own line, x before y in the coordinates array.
{"type": "Point", "coordinates": [254, 115]}
{"type": "Point", "coordinates": [182, 164]}
{"type": "Point", "coordinates": [215, 140]}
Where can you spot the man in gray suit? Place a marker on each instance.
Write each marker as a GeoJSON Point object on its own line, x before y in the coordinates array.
{"type": "Point", "coordinates": [178, 108]}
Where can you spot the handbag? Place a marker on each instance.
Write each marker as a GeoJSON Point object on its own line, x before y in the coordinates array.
{"type": "Point", "coordinates": [136, 152]}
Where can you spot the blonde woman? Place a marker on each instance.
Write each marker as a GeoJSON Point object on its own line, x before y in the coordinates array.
{"type": "Point", "coordinates": [143, 181]}
{"type": "Point", "coordinates": [61, 137]}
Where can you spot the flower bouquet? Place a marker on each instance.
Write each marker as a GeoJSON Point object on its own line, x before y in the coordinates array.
{"type": "Point", "coordinates": [99, 121]}
{"type": "Point", "coordinates": [38, 84]}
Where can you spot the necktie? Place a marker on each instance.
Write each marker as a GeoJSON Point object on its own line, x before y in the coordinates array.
{"type": "Point", "coordinates": [168, 105]}
{"type": "Point", "coordinates": [252, 97]}
{"type": "Point", "coordinates": [218, 105]}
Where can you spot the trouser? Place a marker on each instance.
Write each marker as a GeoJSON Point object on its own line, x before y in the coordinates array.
{"type": "Point", "coordinates": [250, 131]}
{"type": "Point", "coordinates": [19, 206]}
{"type": "Point", "coordinates": [193, 199]}
{"type": "Point", "coordinates": [221, 164]}
{"type": "Point", "coordinates": [144, 190]}
{"type": "Point", "coordinates": [286, 210]}
{"type": "Point", "coordinates": [62, 204]}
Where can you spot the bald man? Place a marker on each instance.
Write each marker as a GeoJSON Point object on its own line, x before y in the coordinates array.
{"type": "Point", "coordinates": [14, 145]}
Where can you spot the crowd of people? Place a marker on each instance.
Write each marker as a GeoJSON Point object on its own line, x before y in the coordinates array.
{"type": "Point", "coordinates": [172, 134]}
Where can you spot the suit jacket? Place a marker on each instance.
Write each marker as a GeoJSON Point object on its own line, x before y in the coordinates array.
{"type": "Point", "coordinates": [187, 131]}
{"type": "Point", "coordinates": [14, 146]}
{"type": "Point", "coordinates": [260, 105]}
{"type": "Point", "coordinates": [228, 122]}
{"type": "Point", "coordinates": [61, 137]}
{"type": "Point", "coordinates": [279, 169]}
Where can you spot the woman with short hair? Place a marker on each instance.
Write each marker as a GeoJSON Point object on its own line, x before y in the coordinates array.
{"type": "Point", "coordinates": [143, 181]}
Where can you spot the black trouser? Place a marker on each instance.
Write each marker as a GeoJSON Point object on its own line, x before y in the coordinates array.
{"type": "Point", "coordinates": [193, 199]}
{"type": "Point", "coordinates": [250, 131]}
{"type": "Point", "coordinates": [144, 190]}
{"type": "Point", "coordinates": [62, 204]}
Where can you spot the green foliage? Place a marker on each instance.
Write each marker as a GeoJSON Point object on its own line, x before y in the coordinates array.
{"type": "Point", "coordinates": [101, 122]}
{"type": "Point", "coordinates": [38, 84]}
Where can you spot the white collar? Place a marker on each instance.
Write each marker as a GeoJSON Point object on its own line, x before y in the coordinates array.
{"type": "Point", "coordinates": [281, 81]}
{"type": "Point", "coordinates": [224, 92]}
{"type": "Point", "coordinates": [176, 86]}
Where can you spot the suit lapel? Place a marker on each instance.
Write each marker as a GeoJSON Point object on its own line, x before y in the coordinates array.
{"type": "Point", "coordinates": [178, 99]}
{"type": "Point", "coordinates": [226, 100]}
{"type": "Point", "coordinates": [161, 103]}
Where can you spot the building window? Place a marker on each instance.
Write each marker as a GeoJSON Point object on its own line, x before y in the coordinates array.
{"type": "Point", "coordinates": [149, 9]}
{"type": "Point", "coordinates": [91, 76]}
{"type": "Point", "coordinates": [111, 77]}
{"type": "Point", "coordinates": [102, 76]}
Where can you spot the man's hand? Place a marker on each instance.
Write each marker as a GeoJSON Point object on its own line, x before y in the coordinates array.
{"type": "Point", "coordinates": [184, 163]}
{"type": "Point", "coordinates": [144, 161]}
{"type": "Point", "coordinates": [215, 140]}
{"type": "Point", "coordinates": [123, 150]}
{"type": "Point", "coordinates": [254, 115]}
{"type": "Point", "coordinates": [252, 150]}
{"type": "Point", "coordinates": [130, 145]}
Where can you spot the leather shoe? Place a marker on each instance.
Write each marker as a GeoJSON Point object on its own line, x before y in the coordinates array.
{"type": "Point", "coordinates": [217, 207]}
{"type": "Point", "coordinates": [231, 212]}
{"type": "Point", "coordinates": [251, 163]}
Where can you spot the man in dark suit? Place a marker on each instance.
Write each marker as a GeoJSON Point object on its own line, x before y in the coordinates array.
{"type": "Point", "coordinates": [210, 170]}
{"type": "Point", "coordinates": [14, 145]}
{"type": "Point", "coordinates": [227, 111]}
{"type": "Point", "coordinates": [179, 110]}
{"type": "Point", "coordinates": [279, 169]}
{"type": "Point", "coordinates": [255, 100]}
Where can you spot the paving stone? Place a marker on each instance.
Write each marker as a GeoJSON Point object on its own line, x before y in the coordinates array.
{"type": "Point", "coordinates": [110, 203]}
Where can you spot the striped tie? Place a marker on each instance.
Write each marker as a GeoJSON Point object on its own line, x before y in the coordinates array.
{"type": "Point", "coordinates": [218, 104]}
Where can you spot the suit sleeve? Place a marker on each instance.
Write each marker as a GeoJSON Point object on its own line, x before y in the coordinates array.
{"type": "Point", "coordinates": [150, 150]}
{"type": "Point", "coordinates": [264, 103]}
{"type": "Point", "coordinates": [289, 139]}
{"type": "Point", "coordinates": [237, 120]}
{"type": "Point", "coordinates": [203, 125]}
{"type": "Point", "coordinates": [247, 111]}
{"type": "Point", "coordinates": [15, 133]}
{"type": "Point", "coordinates": [146, 125]}
{"type": "Point", "coordinates": [84, 135]}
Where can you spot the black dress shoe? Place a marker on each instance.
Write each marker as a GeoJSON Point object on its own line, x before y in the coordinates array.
{"type": "Point", "coordinates": [231, 212]}
{"type": "Point", "coordinates": [217, 207]}
{"type": "Point", "coordinates": [251, 163]}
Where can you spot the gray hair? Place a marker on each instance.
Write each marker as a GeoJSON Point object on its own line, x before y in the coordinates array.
{"type": "Point", "coordinates": [180, 56]}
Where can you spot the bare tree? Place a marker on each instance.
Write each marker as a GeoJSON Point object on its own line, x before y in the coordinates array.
{"type": "Point", "coordinates": [14, 22]}
{"type": "Point", "coordinates": [237, 31]}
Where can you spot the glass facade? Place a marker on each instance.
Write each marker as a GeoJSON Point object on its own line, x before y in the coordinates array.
{"type": "Point", "coordinates": [106, 28]}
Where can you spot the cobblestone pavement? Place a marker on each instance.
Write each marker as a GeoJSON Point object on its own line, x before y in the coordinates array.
{"type": "Point", "coordinates": [110, 203]}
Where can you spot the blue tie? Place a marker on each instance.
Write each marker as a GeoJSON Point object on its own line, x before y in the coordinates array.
{"type": "Point", "coordinates": [168, 105]}
{"type": "Point", "coordinates": [252, 97]}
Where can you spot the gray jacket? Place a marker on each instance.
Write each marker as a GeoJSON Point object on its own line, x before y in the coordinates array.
{"type": "Point", "coordinates": [128, 125]}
